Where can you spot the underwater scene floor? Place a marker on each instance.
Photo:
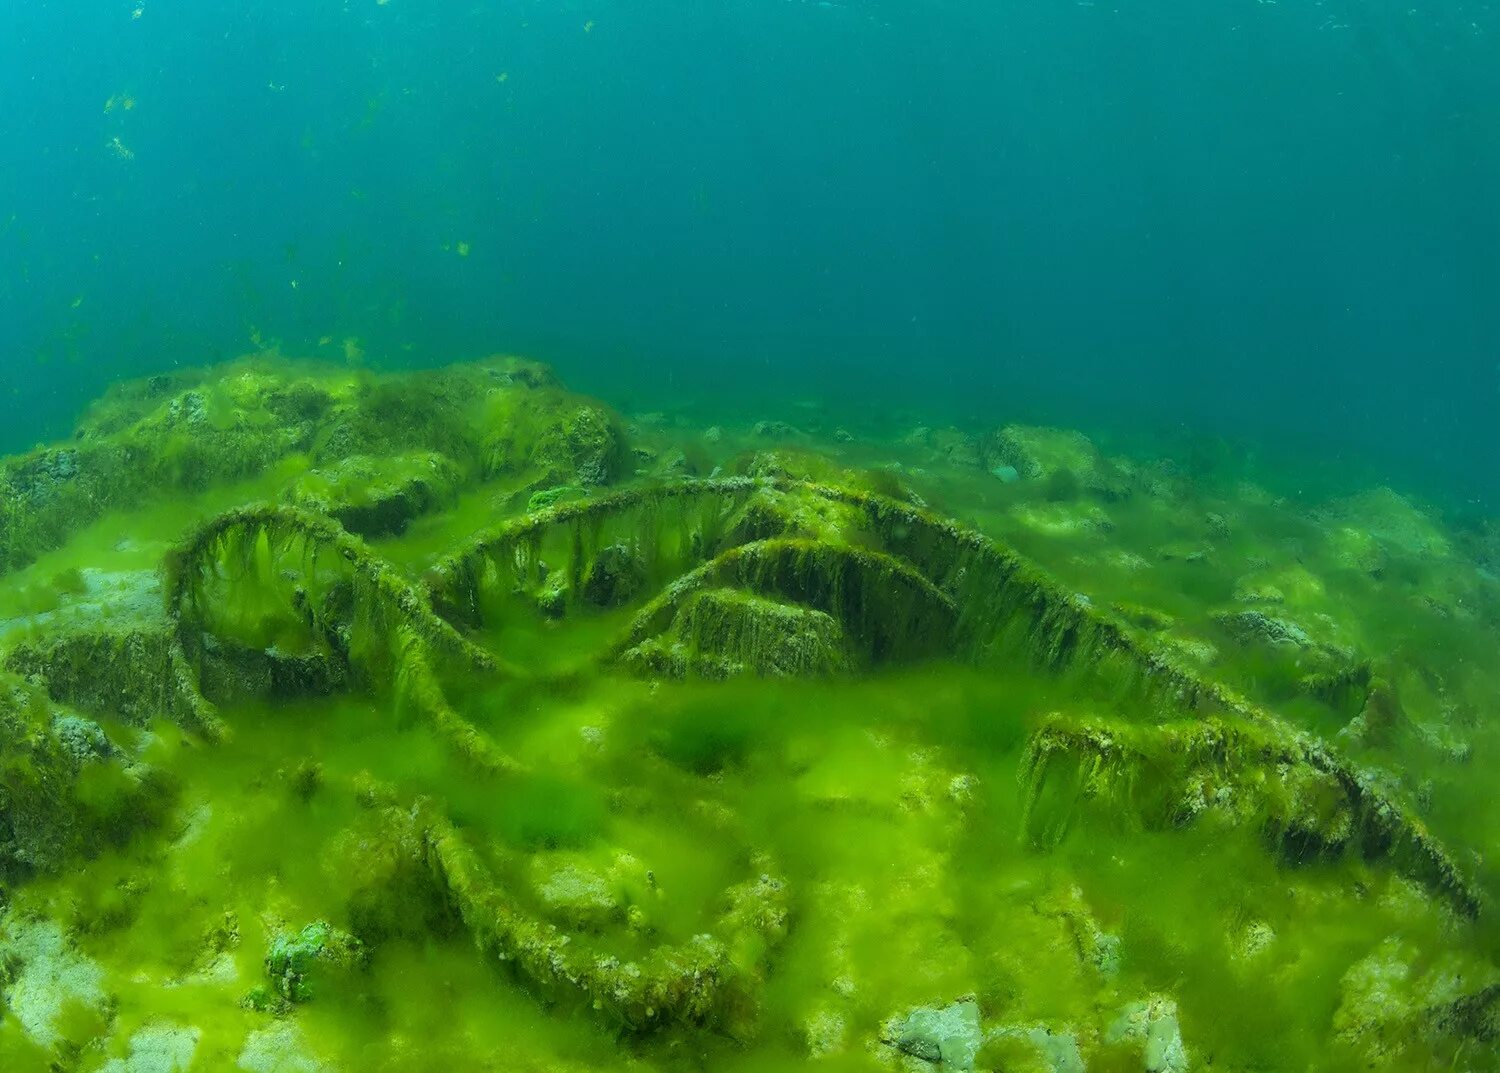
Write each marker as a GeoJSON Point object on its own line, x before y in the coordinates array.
{"type": "Point", "coordinates": [453, 721]}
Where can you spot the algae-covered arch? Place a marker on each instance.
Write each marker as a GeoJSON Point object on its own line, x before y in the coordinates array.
{"type": "Point", "coordinates": [279, 599]}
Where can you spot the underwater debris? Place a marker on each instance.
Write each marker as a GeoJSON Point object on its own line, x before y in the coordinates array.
{"type": "Point", "coordinates": [887, 610]}
{"type": "Point", "coordinates": [802, 570]}
{"type": "Point", "coordinates": [1307, 802]}
{"type": "Point", "coordinates": [368, 616]}
{"type": "Point", "coordinates": [724, 632]}
{"type": "Point", "coordinates": [945, 587]}
{"type": "Point", "coordinates": [692, 983]}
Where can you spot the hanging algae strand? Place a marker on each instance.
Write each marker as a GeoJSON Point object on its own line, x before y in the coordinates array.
{"type": "Point", "coordinates": [345, 598]}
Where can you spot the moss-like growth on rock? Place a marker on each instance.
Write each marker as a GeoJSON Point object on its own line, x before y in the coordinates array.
{"type": "Point", "coordinates": [1064, 462]}
{"type": "Point", "coordinates": [66, 789]}
{"type": "Point", "coordinates": [720, 633]}
{"type": "Point", "coordinates": [377, 497]}
{"type": "Point", "coordinates": [297, 962]}
{"type": "Point", "coordinates": [384, 447]}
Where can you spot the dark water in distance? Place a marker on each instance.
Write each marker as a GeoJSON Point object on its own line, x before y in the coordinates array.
{"type": "Point", "coordinates": [1274, 221]}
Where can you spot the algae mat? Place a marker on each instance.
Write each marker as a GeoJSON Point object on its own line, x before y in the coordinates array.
{"type": "Point", "coordinates": [454, 721]}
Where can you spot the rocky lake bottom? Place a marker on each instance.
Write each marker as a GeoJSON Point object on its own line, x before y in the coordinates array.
{"type": "Point", "coordinates": [452, 720]}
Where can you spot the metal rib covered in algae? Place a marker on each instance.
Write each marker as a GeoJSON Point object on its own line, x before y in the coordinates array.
{"type": "Point", "coordinates": [900, 581]}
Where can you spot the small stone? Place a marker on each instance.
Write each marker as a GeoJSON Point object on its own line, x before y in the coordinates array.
{"type": "Point", "coordinates": [1057, 1050]}
{"type": "Point", "coordinates": [614, 577]}
{"type": "Point", "coordinates": [160, 1047]}
{"type": "Point", "coordinates": [1153, 1024]}
{"type": "Point", "coordinates": [293, 959]}
{"type": "Point", "coordinates": [579, 897]}
{"type": "Point", "coordinates": [82, 739]}
{"type": "Point", "coordinates": [824, 1033]}
{"type": "Point", "coordinates": [947, 1035]}
{"type": "Point", "coordinates": [1257, 626]}
{"type": "Point", "coordinates": [776, 430]}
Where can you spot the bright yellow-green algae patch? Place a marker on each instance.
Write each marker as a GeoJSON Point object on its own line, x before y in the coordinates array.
{"type": "Point", "coordinates": [932, 919]}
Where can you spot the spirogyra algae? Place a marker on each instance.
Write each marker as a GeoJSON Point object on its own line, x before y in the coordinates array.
{"type": "Point", "coordinates": [803, 760]}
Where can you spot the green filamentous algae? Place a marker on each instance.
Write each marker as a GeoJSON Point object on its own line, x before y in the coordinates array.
{"type": "Point", "coordinates": [450, 720]}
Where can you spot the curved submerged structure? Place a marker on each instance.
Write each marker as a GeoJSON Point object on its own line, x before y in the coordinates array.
{"type": "Point", "coordinates": [676, 759]}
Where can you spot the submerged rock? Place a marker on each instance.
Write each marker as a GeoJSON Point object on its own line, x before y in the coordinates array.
{"type": "Point", "coordinates": [376, 497]}
{"type": "Point", "coordinates": [66, 790]}
{"type": "Point", "coordinates": [1054, 1050]}
{"type": "Point", "coordinates": [947, 1036]}
{"type": "Point", "coordinates": [774, 430]}
{"type": "Point", "coordinates": [615, 577]}
{"type": "Point", "coordinates": [160, 1047]}
{"type": "Point", "coordinates": [295, 962]}
{"type": "Point", "coordinates": [578, 897]}
{"type": "Point", "coordinates": [43, 976]}
{"type": "Point", "coordinates": [1399, 999]}
{"type": "Point", "coordinates": [1257, 627]}
{"type": "Point", "coordinates": [82, 739]}
{"type": "Point", "coordinates": [1151, 1025]}
{"type": "Point", "coordinates": [1067, 462]}
{"type": "Point", "coordinates": [279, 1048]}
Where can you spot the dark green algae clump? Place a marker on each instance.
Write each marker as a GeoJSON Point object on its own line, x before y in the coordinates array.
{"type": "Point", "coordinates": [450, 720]}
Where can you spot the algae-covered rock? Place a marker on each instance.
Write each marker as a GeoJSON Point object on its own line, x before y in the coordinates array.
{"type": "Point", "coordinates": [1400, 1000]}
{"type": "Point", "coordinates": [280, 1047]}
{"type": "Point", "coordinates": [1063, 519]}
{"type": "Point", "coordinates": [577, 896]}
{"type": "Point", "coordinates": [1152, 1026]}
{"type": "Point", "coordinates": [947, 1036]}
{"type": "Point", "coordinates": [375, 497]}
{"type": "Point", "coordinates": [1034, 1048]}
{"type": "Point", "coordinates": [159, 1047]}
{"type": "Point", "coordinates": [1066, 463]}
{"type": "Point", "coordinates": [384, 447]}
{"type": "Point", "coordinates": [1257, 627]}
{"type": "Point", "coordinates": [771, 512]}
{"type": "Point", "coordinates": [550, 497]}
{"type": "Point", "coordinates": [589, 892]}
{"type": "Point", "coordinates": [297, 962]}
{"type": "Point", "coordinates": [1303, 802]}
{"type": "Point", "coordinates": [66, 790]}
{"type": "Point", "coordinates": [1391, 520]}
{"type": "Point", "coordinates": [43, 976]}
{"type": "Point", "coordinates": [551, 437]}
{"type": "Point", "coordinates": [1147, 618]}
{"type": "Point", "coordinates": [615, 577]}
